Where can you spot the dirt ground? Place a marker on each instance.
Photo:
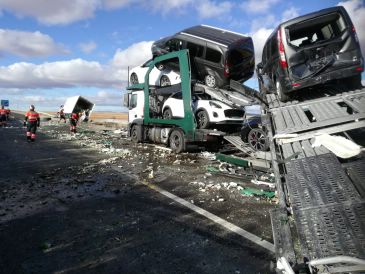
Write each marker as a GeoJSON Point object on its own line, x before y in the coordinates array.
{"type": "Point", "coordinates": [76, 204]}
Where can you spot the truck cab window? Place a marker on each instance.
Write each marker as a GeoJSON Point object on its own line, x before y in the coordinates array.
{"type": "Point", "coordinates": [133, 102]}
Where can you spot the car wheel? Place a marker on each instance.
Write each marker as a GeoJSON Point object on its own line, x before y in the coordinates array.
{"type": "Point", "coordinates": [257, 139]}
{"type": "Point", "coordinates": [134, 79]}
{"type": "Point", "coordinates": [202, 119]}
{"type": "Point", "coordinates": [165, 81]}
{"type": "Point", "coordinates": [280, 92]}
{"type": "Point", "coordinates": [210, 81]}
{"type": "Point", "coordinates": [136, 134]}
{"type": "Point", "coordinates": [177, 141]}
{"type": "Point", "coordinates": [167, 114]}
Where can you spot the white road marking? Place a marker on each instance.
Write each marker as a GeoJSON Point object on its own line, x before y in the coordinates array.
{"type": "Point", "coordinates": [236, 229]}
{"type": "Point", "coordinates": [227, 225]}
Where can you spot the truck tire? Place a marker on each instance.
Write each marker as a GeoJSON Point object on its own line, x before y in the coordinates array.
{"type": "Point", "coordinates": [136, 134]}
{"type": "Point", "coordinates": [177, 141]}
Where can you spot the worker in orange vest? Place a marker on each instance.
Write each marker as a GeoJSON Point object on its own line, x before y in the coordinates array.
{"type": "Point", "coordinates": [3, 115]}
{"type": "Point", "coordinates": [32, 121]}
{"type": "Point", "coordinates": [73, 121]}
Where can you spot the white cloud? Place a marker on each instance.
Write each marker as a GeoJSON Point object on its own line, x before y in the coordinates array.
{"type": "Point", "coordinates": [115, 4]}
{"type": "Point", "coordinates": [165, 6]}
{"type": "Point", "coordinates": [52, 12]}
{"type": "Point", "coordinates": [133, 56]}
{"type": "Point", "coordinates": [289, 13]}
{"type": "Point", "coordinates": [263, 22]}
{"type": "Point", "coordinates": [356, 10]}
{"type": "Point", "coordinates": [254, 6]}
{"type": "Point", "coordinates": [88, 47]}
{"type": "Point", "coordinates": [69, 11]}
{"type": "Point", "coordinates": [70, 73]}
{"type": "Point", "coordinates": [28, 44]}
{"type": "Point", "coordinates": [210, 9]}
{"type": "Point", "coordinates": [76, 72]}
{"type": "Point", "coordinates": [107, 98]}
{"type": "Point", "coordinates": [259, 38]}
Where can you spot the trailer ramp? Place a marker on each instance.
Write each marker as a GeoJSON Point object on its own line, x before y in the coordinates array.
{"type": "Point", "coordinates": [322, 203]}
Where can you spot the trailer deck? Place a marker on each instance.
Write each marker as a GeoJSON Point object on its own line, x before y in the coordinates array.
{"type": "Point", "coordinates": [322, 201]}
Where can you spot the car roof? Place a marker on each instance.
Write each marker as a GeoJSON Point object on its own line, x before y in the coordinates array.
{"type": "Point", "coordinates": [221, 36]}
{"type": "Point", "coordinates": [312, 15]}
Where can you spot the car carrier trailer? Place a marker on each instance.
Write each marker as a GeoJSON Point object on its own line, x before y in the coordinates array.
{"type": "Point", "coordinates": [319, 224]}
{"type": "Point", "coordinates": [146, 123]}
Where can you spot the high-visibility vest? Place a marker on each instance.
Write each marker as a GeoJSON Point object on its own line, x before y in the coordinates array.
{"type": "Point", "coordinates": [74, 116]}
{"type": "Point", "coordinates": [32, 116]}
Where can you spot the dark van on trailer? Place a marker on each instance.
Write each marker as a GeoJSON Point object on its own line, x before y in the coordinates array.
{"type": "Point", "coordinates": [309, 50]}
{"type": "Point", "coordinates": [216, 55]}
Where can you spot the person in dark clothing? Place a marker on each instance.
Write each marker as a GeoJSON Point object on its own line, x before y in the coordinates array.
{"type": "Point", "coordinates": [61, 114]}
{"type": "Point", "coordinates": [31, 121]}
{"type": "Point", "coordinates": [73, 121]}
{"type": "Point", "coordinates": [3, 116]}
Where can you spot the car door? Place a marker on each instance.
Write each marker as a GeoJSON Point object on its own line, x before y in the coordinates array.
{"type": "Point", "coordinates": [213, 62]}
{"type": "Point", "coordinates": [196, 54]}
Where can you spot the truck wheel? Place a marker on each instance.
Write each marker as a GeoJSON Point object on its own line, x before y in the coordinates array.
{"type": "Point", "coordinates": [136, 135]}
{"type": "Point", "coordinates": [258, 140]}
{"type": "Point", "coordinates": [134, 79]}
{"type": "Point", "coordinates": [279, 91]}
{"type": "Point", "coordinates": [177, 141]}
{"type": "Point", "coordinates": [202, 119]}
{"type": "Point", "coordinates": [167, 114]}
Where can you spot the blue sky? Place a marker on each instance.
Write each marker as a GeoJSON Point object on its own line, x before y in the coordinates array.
{"type": "Point", "coordinates": [50, 50]}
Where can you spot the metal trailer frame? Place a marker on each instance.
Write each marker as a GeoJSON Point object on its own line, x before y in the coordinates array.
{"type": "Point", "coordinates": [187, 124]}
{"type": "Point", "coordinates": [320, 222]}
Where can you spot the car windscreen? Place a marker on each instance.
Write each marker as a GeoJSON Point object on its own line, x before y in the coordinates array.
{"type": "Point", "coordinates": [316, 30]}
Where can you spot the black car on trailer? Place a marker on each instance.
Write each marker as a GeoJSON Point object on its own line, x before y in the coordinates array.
{"type": "Point", "coordinates": [216, 55]}
{"type": "Point", "coordinates": [309, 50]}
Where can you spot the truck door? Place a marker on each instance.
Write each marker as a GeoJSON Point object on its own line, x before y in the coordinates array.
{"type": "Point", "coordinates": [136, 102]}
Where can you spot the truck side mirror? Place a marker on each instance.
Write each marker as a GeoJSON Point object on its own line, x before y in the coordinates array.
{"type": "Point", "coordinates": [126, 100]}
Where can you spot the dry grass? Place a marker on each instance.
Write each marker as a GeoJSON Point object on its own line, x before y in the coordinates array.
{"type": "Point", "coordinates": [108, 115]}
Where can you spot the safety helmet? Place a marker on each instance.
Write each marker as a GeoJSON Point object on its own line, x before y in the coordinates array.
{"type": "Point", "coordinates": [31, 107]}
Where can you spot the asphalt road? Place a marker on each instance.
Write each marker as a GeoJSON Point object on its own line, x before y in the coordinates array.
{"type": "Point", "coordinates": [59, 213]}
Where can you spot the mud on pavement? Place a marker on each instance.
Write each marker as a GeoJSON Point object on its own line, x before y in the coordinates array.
{"type": "Point", "coordinates": [102, 179]}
